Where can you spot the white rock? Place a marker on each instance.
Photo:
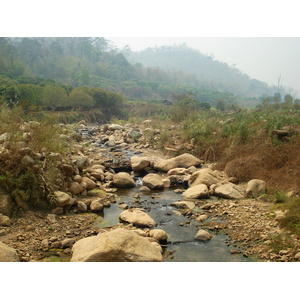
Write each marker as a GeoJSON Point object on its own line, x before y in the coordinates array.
{"type": "Point", "coordinates": [123, 180]}
{"type": "Point", "coordinates": [203, 235]}
{"type": "Point", "coordinates": [153, 181]}
{"type": "Point", "coordinates": [230, 191]}
{"type": "Point", "coordinates": [137, 217]}
{"type": "Point", "coordinates": [119, 245]}
{"type": "Point", "coordinates": [198, 191]}
{"type": "Point", "coordinates": [256, 187]}
{"type": "Point", "coordinates": [158, 234]}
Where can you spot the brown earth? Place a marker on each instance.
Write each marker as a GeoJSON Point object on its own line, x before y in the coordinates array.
{"type": "Point", "coordinates": [253, 229]}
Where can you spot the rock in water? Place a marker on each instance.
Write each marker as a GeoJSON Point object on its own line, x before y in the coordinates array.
{"type": "Point", "coordinates": [203, 235]}
{"type": "Point", "coordinates": [123, 180]}
{"type": "Point", "coordinates": [158, 234]}
{"type": "Point", "coordinates": [118, 245]}
{"type": "Point", "coordinates": [137, 217]}
{"type": "Point", "coordinates": [139, 163]}
{"type": "Point", "coordinates": [153, 182]}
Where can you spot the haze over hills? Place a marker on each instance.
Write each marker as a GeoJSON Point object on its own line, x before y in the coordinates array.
{"type": "Point", "coordinates": [153, 74]}
{"type": "Point", "coordinates": [212, 74]}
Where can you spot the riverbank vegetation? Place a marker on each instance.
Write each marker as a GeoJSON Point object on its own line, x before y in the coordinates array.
{"type": "Point", "coordinates": [65, 80]}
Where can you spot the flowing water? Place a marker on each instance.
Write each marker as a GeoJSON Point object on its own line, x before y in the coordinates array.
{"type": "Point", "coordinates": [180, 237]}
{"type": "Point", "coordinates": [181, 245]}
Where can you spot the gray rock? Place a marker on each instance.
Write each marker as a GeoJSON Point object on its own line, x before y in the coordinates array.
{"type": "Point", "coordinates": [119, 245]}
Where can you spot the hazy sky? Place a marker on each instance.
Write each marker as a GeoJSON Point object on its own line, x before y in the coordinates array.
{"type": "Point", "coordinates": [241, 25]}
{"type": "Point", "coordinates": [265, 59]}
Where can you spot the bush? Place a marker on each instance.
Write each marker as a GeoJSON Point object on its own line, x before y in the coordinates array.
{"type": "Point", "coordinates": [27, 170]}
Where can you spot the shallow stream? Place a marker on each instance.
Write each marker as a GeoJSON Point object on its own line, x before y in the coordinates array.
{"type": "Point", "coordinates": [180, 237]}
{"type": "Point", "coordinates": [181, 245]}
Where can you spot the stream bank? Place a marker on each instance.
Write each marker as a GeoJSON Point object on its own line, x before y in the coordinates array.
{"type": "Point", "coordinates": [241, 229]}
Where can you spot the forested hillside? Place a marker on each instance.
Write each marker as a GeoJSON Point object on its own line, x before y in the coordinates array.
{"type": "Point", "coordinates": [210, 73]}
{"type": "Point", "coordinates": [28, 65]}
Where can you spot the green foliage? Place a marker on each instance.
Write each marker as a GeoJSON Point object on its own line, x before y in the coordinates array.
{"type": "Point", "coordinates": [292, 216]}
{"type": "Point", "coordinates": [30, 182]}
{"type": "Point", "coordinates": [80, 99]}
{"type": "Point", "coordinates": [281, 241]}
{"type": "Point", "coordinates": [54, 96]}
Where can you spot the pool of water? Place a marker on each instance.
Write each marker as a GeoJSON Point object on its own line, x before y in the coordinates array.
{"type": "Point", "coordinates": [181, 230]}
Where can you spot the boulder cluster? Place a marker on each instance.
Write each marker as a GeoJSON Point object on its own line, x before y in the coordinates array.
{"type": "Point", "coordinates": [89, 177]}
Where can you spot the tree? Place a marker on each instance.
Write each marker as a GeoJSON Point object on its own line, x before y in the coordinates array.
{"type": "Point", "coordinates": [220, 105]}
{"type": "Point", "coordinates": [54, 97]}
{"type": "Point", "coordinates": [80, 99]}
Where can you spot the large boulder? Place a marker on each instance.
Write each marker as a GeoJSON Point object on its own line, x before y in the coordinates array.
{"type": "Point", "coordinates": [137, 217]}
{"type": "Point", "coordinates": [123, 180]}
{"type": "Point", "coordinates": [204, 176]}
{"type": "Point", "coordinates": [139, 163]}
{"type": "Point", "coordinates": [8, 254]}
{"type": "Point", "coordinates": [153, 181]}
{"type": "Point", "coordinates": [198, 191]}
{"type": "Point", "coordinates": [255, 187]}
{"type": "Point", "coordinates": [186, 160]}
{"type": "Point", "coordinates": [230, 191]}
{"type": "Point", "coordinates": [178, 171]}
{"type": "Point", "coordinates": [164, 164]}
{"type": "Point", "coordinates": [119, 245]}
{"type": "Point", "coordinates": [5, 203]}
{"type": "Point", "coordinates": [62, 199]}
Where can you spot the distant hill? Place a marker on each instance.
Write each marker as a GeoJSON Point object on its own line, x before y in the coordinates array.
{"type": "Point", "coordinates": [212, 74]}
{"type": "Point", "coordinates": [154, 74]}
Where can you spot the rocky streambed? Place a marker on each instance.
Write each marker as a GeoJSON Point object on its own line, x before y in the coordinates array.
{"type": "Point", "coordinates": [125, 202]}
